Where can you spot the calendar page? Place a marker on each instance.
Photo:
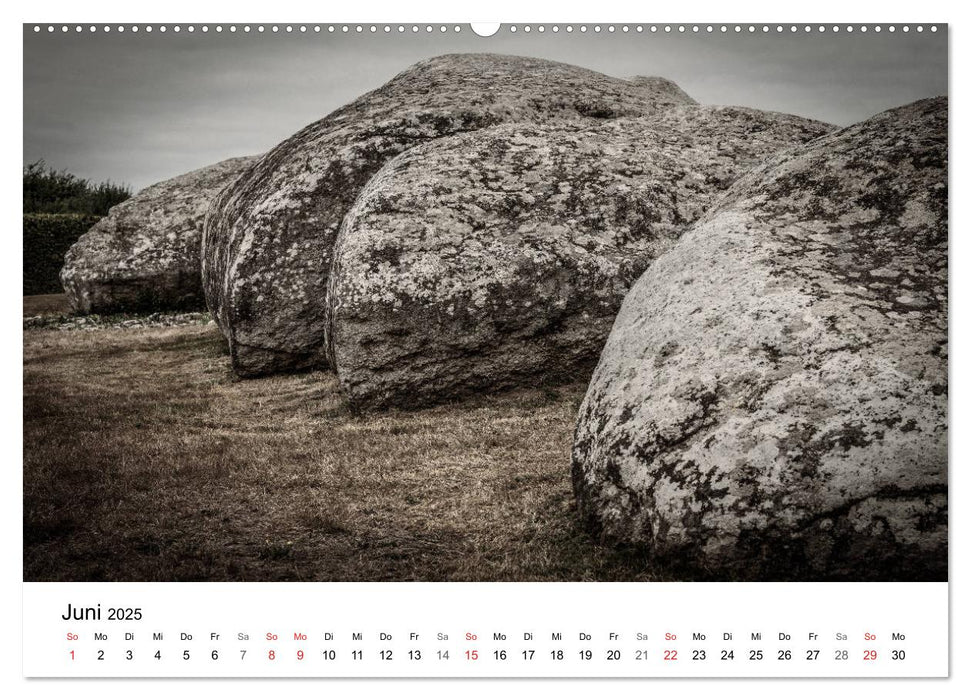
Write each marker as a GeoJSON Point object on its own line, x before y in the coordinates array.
{"type": "Point", "coordinates": [449, 350]}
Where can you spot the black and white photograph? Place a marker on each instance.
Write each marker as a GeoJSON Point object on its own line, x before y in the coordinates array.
{"type": "Point", "coordinates": [563, 303]}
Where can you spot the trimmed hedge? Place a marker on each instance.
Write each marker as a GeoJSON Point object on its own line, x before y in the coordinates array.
{"type": "Point", "coordinates": [46, 239]}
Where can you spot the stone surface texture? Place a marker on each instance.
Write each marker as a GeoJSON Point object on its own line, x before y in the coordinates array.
{"type": "Point", "coordinates": [772, 399]}
{"type": "Point", "coordinates": [500, 257]}
{"type": "Point", "coordinates": [145, 254]}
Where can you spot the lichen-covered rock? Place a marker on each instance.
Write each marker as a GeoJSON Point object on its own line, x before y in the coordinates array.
{"type": "Point", "coordinates": [662, 87]}
{"type": "Point", "coordinates": [498, 257]}
{"type": "Point", "coordinates": [772, 400]}
{"type": "Point", "coordinates": [144, 255]}
{"type": "Point", "coordinates": [269, 239]}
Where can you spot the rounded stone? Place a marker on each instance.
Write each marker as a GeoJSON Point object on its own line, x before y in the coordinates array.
{"type": "Point", "coordinates": [144, 255]}
{"type": "Point", "coordinates": [767, 406]}
{"type": "Point", "coordinates": [500, 257]}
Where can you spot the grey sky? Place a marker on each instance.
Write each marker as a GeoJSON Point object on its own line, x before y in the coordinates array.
{"type": "Point", "coordinates": [139, 108]}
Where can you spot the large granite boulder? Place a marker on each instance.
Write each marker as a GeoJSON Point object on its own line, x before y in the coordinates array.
{"type": "Point", "coordinates": [269, 239]}
{"type": "Point", "coordinates": [144, 254]}
{"type": "Point", "coordinates": [500, 257]}
{"type": "Point", "coordinates": [772, 400]}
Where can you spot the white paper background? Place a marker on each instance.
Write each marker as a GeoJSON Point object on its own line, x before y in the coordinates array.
{"type": "Point", "coordinates": [602, 11]}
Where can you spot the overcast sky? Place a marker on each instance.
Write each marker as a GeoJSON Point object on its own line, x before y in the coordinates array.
{"type": "Point", "coordinates": [139, 108]}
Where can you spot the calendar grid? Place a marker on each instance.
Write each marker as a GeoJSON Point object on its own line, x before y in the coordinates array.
{"type": "Point", "coordinates": [486, 630]}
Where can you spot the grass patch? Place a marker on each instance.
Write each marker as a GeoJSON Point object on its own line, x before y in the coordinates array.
{"type": "Point", "coordinates": [146, 460]}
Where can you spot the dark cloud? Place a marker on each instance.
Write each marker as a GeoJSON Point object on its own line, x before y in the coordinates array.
{"type": "Point", "coordinates": [138, 108]}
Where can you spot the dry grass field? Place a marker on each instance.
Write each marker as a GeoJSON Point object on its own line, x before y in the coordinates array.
{"type": "Point", "coordinates": [146, 460]}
